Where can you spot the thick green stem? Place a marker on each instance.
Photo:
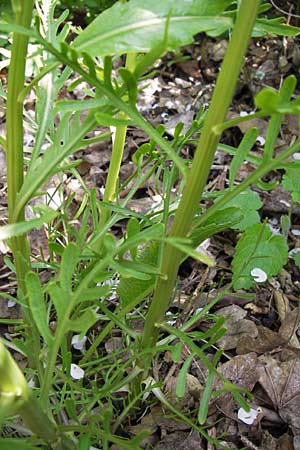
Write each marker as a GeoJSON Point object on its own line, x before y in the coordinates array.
{"type": "Point", "coordinates": [197, 177]}
{"type": "Point", "coordinates": [14, 133]}
{"type": "Point", "coordinates": [15, 162]}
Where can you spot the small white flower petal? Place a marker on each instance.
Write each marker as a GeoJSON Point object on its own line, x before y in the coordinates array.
{"type": "Point", "coordinates": [295, 232]}
{"type": "Point", "coordinates": [11, 304]}
{"type": "Point", "coordinates": [296, 156]}
{"type": "Point", "coordinates": [294, 251]}
{"type": "Point", "coordinates": [248, 417]}
{"type": "Point", "coordinates": [76, 372]}
{"type": "Point", "coordinates": [77, 343]}
{"type": "Point", "coordinates": [259, 275]}
{"type": "Point", "coordinates": [261, 140]}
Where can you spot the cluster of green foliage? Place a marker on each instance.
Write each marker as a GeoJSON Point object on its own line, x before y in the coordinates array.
{"type": "Point", "coordinates": [85, 263]}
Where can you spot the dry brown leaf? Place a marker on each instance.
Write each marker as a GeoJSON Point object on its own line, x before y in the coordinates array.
{"type": "Point", "coordinates": [236, 326]}
{"type": "Point", "coordinates": [281, 381]}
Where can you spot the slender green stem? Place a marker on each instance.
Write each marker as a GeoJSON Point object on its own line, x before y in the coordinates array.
{"type": "Point", "coordinates": [117, 155]}
{"type": "Point", "coordinates": [197, 178]}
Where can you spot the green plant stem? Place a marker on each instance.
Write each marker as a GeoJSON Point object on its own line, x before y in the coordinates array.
{"type": "Point", "coordinates": [117, 155]}
{"type": "Point", "coordinates": [197, 177]}
{"type": "Point", "coordinates": [15, 164]}
{"type": "Point", "coordinates": [14, 135]}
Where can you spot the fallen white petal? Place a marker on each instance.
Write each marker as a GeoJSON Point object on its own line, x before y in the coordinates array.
{"type": "Point", "coordinates": [259, 275]}
{"type": "Point", "coordinates": [294, 251]}
{"type": "Point", "coordinates": [296, 156]}
{"type": "Point", "coordinates": [11, 304]}
{"type": "Point", "coordinates": [261, 140]}
{"type": "Point", "coordinates": [295, 232]}
{"type": "Point", "coordinates": [248, 417]}
{"type": "Point", "coordinates": [76, 372]}
{"type": "Point", "coordinates": [77, 343]}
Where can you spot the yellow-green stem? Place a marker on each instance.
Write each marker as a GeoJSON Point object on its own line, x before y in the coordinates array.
{"type": "Point", "coordinates": [197, 177]}
{"type": "Point", "coordinates": [116, 156]}
{"type": "Point", "coordinates": [15, 163]}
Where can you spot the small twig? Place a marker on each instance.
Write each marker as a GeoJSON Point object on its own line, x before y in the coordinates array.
{"type": "Point", "coordinates": [287, 13]}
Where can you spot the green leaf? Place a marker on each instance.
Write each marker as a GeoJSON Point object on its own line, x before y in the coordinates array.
{"type": "Point", "coordinates": [270, 101]}
{"type": "Point", "coordinates": [296, 258]}
{"type": "Point", "coordinates": [10, 443]}
{"type": "Point", "coordinates": [291, 180]}
{"type": "Point", "coordinates": [37, 306]}
{"type": "Point", "coordinates": [274, 26]}
{"type": "Point", "coordinates": [258, 248]}
{"type": "Point", "coordinates": [181, 380]}
{"type": "Point", "coordinates": [185, 247]}
{"type": "Point", "coordinates": [221, 220]}
{"type": "Point", "coordinates": [59, 298]}
{"type": "Point", "coordinates": [130, 289]}
{"type": "Point", "coordinates": [17, 229]}
{"type": "Point", "coordinates": [107, 120]}
{"type": "Point", "coordinates": [131, 269]}
{"type": "Point", "coordinates": [94, 293]}
{"type": "Point", "coordinates": [139, 25]}
{"type": "Point", "coordinates": [68, 266]}
{"type": "Point", "coordinates": [83, 322]}
{"type": "Point", "coordinates": [248, 202]}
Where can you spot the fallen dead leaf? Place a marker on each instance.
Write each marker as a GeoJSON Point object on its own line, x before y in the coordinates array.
{"type": "Point", "coordinates": [236, 326]}
{"type": "Point", "coordinates": [281, 381]}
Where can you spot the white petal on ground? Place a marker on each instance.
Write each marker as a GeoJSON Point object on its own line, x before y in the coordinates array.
{"type": "Point", "coordinates": [296, 156]}
{"type": "Point", "coordinates": [259, 275]}
{"type": "Point", "coordinates": [295, 232]}
{"type": "Point", "coordinates": [261, 140]}
{"type": "Point", "coordinates": [77, 343]}
{"type": "Point", "coordinates": [248, 417]}
{"type": "Point", "coordinates": [76, 372]}
{"type": "Point", "coordinates": [11, 304]}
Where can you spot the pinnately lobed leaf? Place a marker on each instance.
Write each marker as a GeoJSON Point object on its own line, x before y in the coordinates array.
{"type": "Point", "coordinates": [139, 25]}
{"type": "Point", "coordinates": [258, 248]}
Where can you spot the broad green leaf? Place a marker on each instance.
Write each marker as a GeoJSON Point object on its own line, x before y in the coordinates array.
{"type": "Point", "coordinates": [258, 248]}
{"type": "Point", "coordinates": [17, 229]}
{"type": "Point", "coordinates": [139, 25]}
{"type": "Point", "coordinates": [37, 306]}
{"type": "Point", "coordinates": [68, 266]}
{"type": "Point", "coordinates": [248, 202]}
{"type": "Point", "coordinates": [83, 322]}
{"type": "Point", "coordinates": [242, 151]}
